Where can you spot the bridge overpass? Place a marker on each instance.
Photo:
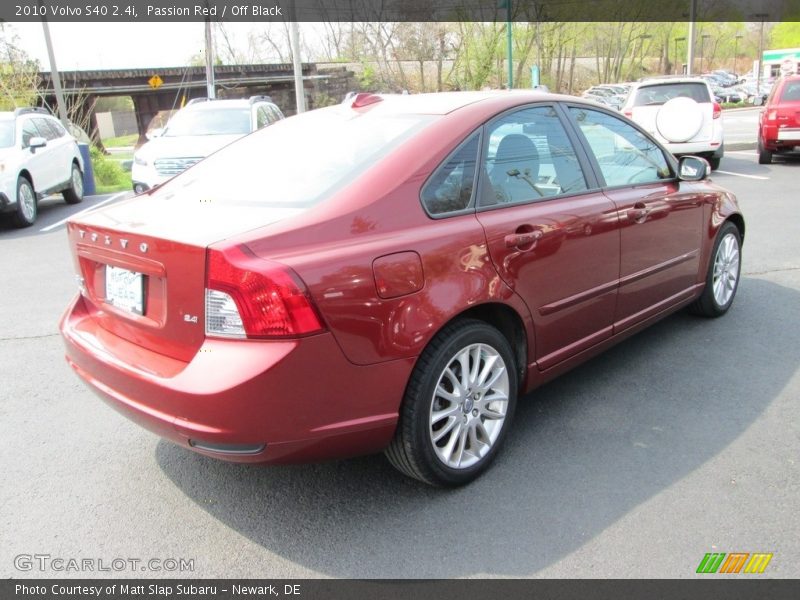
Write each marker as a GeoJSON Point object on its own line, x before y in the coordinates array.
{"type": "Point", "coordinates": [154, 90]}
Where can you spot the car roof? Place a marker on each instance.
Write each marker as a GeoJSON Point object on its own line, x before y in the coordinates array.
{"type": "Point", "coordinates": [216, 104]}
{"type": "Point", "coordinates": [442, 103]}
{"type": "Point", "coordinates": [666, 79]}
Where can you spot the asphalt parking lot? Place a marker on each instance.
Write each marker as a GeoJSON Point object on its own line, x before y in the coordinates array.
{"type": "Point", "coordinates": [683, 440]}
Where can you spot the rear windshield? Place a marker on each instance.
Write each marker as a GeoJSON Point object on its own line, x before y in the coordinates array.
{"type": "Point", "coordinates": [6, 133]}
{"type": "Point", "coordinates": [791, 92]}
{"type": "Point", "coordinates": [300, 160]}
{"type": "Point", "coordinates": [223, 121]}
{"type": "Point", "coordinates": [654, 95]}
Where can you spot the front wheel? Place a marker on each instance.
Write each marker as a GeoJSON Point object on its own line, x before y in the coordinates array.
{"type": "Point", "coordinates": [74, 193]}
{"type": "Point", "coordinates": [722, 279]}
{"type": "Point", "coordinates": [458, 406]}
{"type": "Point", "coordinates": [27, 207]}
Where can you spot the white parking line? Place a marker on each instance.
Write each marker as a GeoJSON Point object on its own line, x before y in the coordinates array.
{"type": "Point", "coordinates": [62, 221]}
{"type": "Point", "coordinates": [742, 152]}
{"type": "Point", "coordinates": [743, 175]}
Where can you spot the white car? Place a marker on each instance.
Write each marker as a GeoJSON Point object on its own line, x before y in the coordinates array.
{"type": "Point", "coordinates": [680, 112]}
{"type": "Point", "coordinates": [37, 157]}
{"type": "Point", "coordinates": [200, 128]}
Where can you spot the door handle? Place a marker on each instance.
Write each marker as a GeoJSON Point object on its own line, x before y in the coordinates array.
{"type": "Point", "coordinates": [527, 238]}
{"type": "Point", "coordinates": [639, 212]}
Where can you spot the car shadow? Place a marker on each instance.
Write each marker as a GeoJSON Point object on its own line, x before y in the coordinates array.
{"type": "Point", "coordinates": [585, 450]}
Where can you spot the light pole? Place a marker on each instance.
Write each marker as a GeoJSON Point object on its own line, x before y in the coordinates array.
{"type": "Point", "coordinates": [760, 17]}
{"type": "Point", "coordinates": [735, 48]}
{"type": "Point", "coordinates": [678, 39]}
{"type": "Point", "coordinates": [703, 39]}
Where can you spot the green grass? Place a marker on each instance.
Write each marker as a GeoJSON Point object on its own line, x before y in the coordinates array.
{"type": "Point", "coordinates": [120, 156]}
{"type": "Point", "coordinates": [123, 140]}
{"type": "Point", "coordinates": [123, 184]}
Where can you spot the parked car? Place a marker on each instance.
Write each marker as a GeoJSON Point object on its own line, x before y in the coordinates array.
{"type": "Point", "coordinates": [37, 157]}
{"type": "Point", "coordinates": [779, 120]}
{"type": "Point", "coordinates": [199, 129]}
{"type": "Point", "coordinates": [681, 113]}
{"type": "Point", "coordinates": [391, 274]}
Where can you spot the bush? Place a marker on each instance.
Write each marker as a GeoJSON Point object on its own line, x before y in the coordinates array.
{"type": "Point", "coordinates": [106, 172]}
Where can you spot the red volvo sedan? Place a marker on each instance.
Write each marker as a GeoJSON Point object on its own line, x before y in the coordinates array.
{"type": "Point", "coordinates": [391, 274]}
{"type": "Point", "coordinates": [779, 120]}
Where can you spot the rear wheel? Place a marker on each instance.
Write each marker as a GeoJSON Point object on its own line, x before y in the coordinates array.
{"type": "Point", "coordinates": [764, 155]}
{"type": "Point", "coordinates": [27, 208]}
{"type": "Point", "coordinates": [74, 193]}
{"type": "Point", "coordinates": [722, 279]}
{"type": "Point", "coordinates": [714, 162]}
{"type": "Point", "coordinates": [458, 406]}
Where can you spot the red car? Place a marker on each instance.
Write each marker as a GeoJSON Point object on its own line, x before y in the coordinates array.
{"type": "Point", "coordinates": [779, 120]}
{"type": "Point", "coordinates": [391, 274]}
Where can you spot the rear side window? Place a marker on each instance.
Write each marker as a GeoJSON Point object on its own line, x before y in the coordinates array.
{"type": "Point", "coordinates": [791, 92]}
{"type": "Point", "coordinates": [450, 187]}
{"type": "Point", "coordinates": [529, 157]}
{"type": "Point", "coordinates": [654, 95]}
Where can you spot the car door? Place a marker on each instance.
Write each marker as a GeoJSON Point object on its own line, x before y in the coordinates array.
{"type": "Point", "coordinates": [35, 161]}
{"type": "Point", "coordinates": [660, 226]}
{"type": "Point", "coordinates": [552, 234]}
{"type": "Point", "coordinates": [58, 150]}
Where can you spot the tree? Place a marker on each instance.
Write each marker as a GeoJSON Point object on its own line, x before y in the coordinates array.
{"type": "Point", "coordinates": [19, 74]}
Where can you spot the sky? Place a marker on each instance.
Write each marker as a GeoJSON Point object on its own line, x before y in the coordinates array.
{"type": "Point", "coordinates": [86, 46]}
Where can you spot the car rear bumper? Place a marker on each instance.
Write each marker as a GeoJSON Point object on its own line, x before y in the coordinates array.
{"type": "Point", "coordinates": [780, 138]}
{"type": "Point", "coordinates": [243, 401]}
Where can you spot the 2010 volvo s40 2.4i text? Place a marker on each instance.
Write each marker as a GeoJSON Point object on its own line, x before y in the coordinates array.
{"type": "Point", "coordinates": [390, 274]}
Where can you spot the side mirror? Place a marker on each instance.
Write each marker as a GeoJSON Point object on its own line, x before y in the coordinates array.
{"type": "Point", "coordinates": [693, 168]}
{"type": "Point", "coordinates": [37, 142]}
{"type": "Point", "coordinates": [154, 133]}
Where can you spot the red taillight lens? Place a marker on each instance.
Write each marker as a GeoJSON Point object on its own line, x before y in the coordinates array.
{"type": "Point", "coordinates": [272, 301]}
{"type": "Point", "coordinates": [717, 110]}
{"type": "Point", "coordinates": [628, 113]}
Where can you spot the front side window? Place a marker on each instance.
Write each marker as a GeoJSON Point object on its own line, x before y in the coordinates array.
{"type": "Point", "coordinates": [29, 131]}
{"type": "Point", "coordinates": [262, 119]}
{"type": "Point", "coordinates": [529, 157]}
{"type": "Point", "coordinates": [48, 131]}
{"type": "Point", "coordinates": [450, 187]}
{"type": "Point", "coordinates": [626, 156]}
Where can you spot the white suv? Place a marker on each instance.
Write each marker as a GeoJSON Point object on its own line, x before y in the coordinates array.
{"type": "Point", "coordinates": [201, 128]}
{"type": "Point", "coordinates": [681, 113]}
{"type": "Point", "coordinates": [37, 157]}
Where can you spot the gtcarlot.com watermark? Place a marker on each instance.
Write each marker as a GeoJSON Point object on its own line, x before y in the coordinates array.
{"type": "Point", "coordinates": [63, 564]}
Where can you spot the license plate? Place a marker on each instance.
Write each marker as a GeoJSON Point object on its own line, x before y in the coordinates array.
{"type": "Point", "coordinates": [125, 289]}
{"type": "Point", "coordinates": [789, 134]}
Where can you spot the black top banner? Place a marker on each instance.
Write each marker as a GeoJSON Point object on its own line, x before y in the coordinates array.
{"type": "Point", "coordinates": [400, 10]}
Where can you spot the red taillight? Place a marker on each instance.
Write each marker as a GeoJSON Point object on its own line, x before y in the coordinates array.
{"type": "Point", "coordinates": [272, 301]}
{"type": "Point", "coordinates": [717, 110]}
{"type": "Point", "coordinates": [772, 115]}
{"type": "Point", "coordinates": [628, 113]}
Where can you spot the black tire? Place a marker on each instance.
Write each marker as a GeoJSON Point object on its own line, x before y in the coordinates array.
{"type": "Point", "coordinates": [412, 450]}
{"type": "Point", "coordinates": [714, 162]}
{"type": "Point", "coordinates": [708, 305]}
{"type": "Point", "coordinates": [26, 213]}
{"type": "Point", "coordinates": [764, 155]}
{"type": "Point", "coordinates": [74, 193]}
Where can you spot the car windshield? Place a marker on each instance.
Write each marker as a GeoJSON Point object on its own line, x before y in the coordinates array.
{"type": "Point", "coordinates": [6, 133]}
{"type": "Point", "coordinates": [661, 93]}
{"type": "Point", "coordinates": [222, 121]}
{"type": "Point", "coordinates": [298, 161]}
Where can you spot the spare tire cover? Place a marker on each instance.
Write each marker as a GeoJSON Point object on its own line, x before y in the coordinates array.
{"type": "Point", "coordinates": [679, 119]}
